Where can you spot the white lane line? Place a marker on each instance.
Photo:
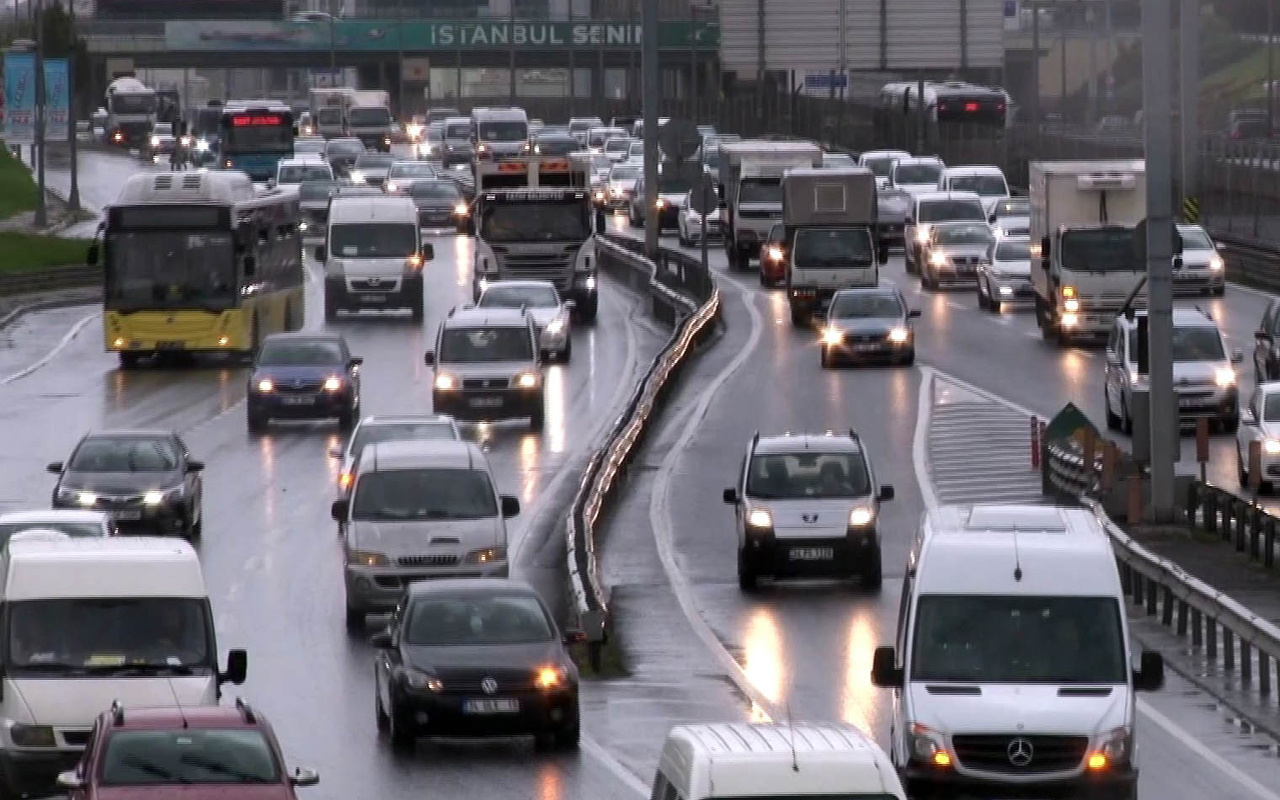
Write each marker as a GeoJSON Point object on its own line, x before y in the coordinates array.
{"type": "Point", "coordinates": [919, 455]}
{"type": "Point", "coordinates": [620, 770]}
{"type": "Point", "coordinates": [66, 339]}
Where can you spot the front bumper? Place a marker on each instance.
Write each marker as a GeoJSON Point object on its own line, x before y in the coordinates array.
{"type": "Point", "coordinates": [1112, 784]}
{"type": "Point", "coordinates": [869, 347]}
{"type": "Point", "coordinates": [766, 554]}
{"type": "Point", "coordinates": [340, 295]}
{"type": "Point", "coordinates": [1191, 281]}
{"type": "Point", "coordinates": [444, 714]}
{"type": "Point", "coordinates": [488, 404]}
{"type": "Point", "coordinates": [1011, 290]}
{"type": "Point", "coordinates": [134, 516]}
{"type": "Point", "coordinates": [694, 227]}
{"type": "Point", "coordinates": [381, 588]}
{"type": "Point", "coordinates": [1215, 403]}
{"type": "Point", "coordinates": [280, 404]}
{"type": "Point", "coordinates": [553, 342]}
{"type": "Point", "coordinates": [35, 772]}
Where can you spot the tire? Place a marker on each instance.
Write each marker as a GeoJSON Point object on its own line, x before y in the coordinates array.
{"type": "Point", "coordinates": [983, 303]}
{"type": "Point", "coordinates": [1113, 420]}
{"type": "Point", "coordinates": [1220, 291]}
{"type": "Point", "coordinates": [569, 737]}
{"type": "Point", "coordinates": [747, 578]}
{"type": "Point", "coordinates": [195, 530]}
{"type": "Point", "coordinates": [403, 737]}
{"type": "Point", "coordinates": [567, 352]}
{"type": "Point", "coordinates": [909, 359]}
{"type": "Point", "coordinates": [798, 319]}
{"type": "Point", "coordinates": [1242, 475]}
{"type": "Point", "coordinates": [825, 360]}
{"type": "Point", "coordinates": [347, 419]}
{"type": "Point", "coordinates": [586, 312]}
{"type": "Point", "coordinates": [1229, 424]}
{"type": "Point", "coordinates": [416, 312]}
{"type": "Point", "coordinates": [538, 419]}
{"type": "Point", "coordinates": [129, 360]}
{"type": "Point", "coordinates": [872, 574]}
{"type": "Point", "coordinates": [257, 423]}
{"type": "Point", "coordinates": [1126, 421]}
{"type": "Point", "coordinates": [764, 281]}
{"type": "Point", "coordinates": [381, 717]}
{"type": "Point", "coordinates": [330, 308]}
{"type": "Point", "coordinates": [355, 620]}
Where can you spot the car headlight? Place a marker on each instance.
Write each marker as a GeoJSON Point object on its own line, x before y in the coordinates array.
{"type": "Point", "coordinates": [460, 209]}
{"type": "Point", "coordinates": [591, 283]}
{"type": "Point", "coordinates": [32, 735]}
{"type": "Point", "coordinates": [156, 497]}
{"type": "Point", "coordinates": [526, 380]}
{"type": "Point", "coordinates": [1072, 305]}
{"type": "Point", "coordinates": [832, 336]}
{"type": "Point", "coordinates": [421, 681]}
{"type": "Point", "coordinates": [1116, 748]}
{"type": "Point", "coordinates": [155, 141]}
{"type": "Point", "coordinates": [551, 677]}
{"type": "Point", "coordinates": [367, 558]}
{"type": "Point", "coordinates": [391, 186]}
{"type": "Point", "coordinates": [938, 259]}
{"type": "Point", "coordinates": [555, 326]}
{"type": "Point", "coordinates": [202, 146]}
{"type": "Point", "coordinates": [1225, 377]}
{"type": "Point", "coordinates": [356, 176]}
{"type": "Point", "coordinates": [333, 384]}
{"type": "Point", "coordinates": [1271, 447]}
{"type": "Point", "coordinates": [926, 745]}
{"type": "Point", "coordinates": [1216, 264]}
{"type": "Point", "coordinates": [922, 235]}
{"type": "Point", "coordinates": [266, 385]}
{"type": "Point", "coordinates": [759, 518]}
{"type": "Point", "coordinates": [302, 226]}
{"type": "Point", "coordinates": [446, 383]}
{"type": "Point", "coordinates": [861, 517]}
{"type": "Point", "coordinates": [86, 498]}
{"type": "Point", "coordinates": [660, 204]}
{"type": "Point", "coordinates": [487, 555]}
{"type": "Point", "coordinates": [899, 335]}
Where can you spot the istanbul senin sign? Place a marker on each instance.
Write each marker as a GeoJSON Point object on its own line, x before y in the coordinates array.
{"type": "Point", "coordinates": [393, 35]}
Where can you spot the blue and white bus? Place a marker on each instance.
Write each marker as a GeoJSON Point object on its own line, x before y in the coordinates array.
{"type": "Point", "coordinates": [253, 138]}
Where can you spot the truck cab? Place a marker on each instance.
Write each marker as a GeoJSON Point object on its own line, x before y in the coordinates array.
{"type": "Point", "coordinates": [751, 191]}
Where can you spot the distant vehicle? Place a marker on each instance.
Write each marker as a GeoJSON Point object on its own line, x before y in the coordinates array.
{"type": "Point", "coordinates": [254, 139]}
{"type": "Point", "coordinates": [304, 376]}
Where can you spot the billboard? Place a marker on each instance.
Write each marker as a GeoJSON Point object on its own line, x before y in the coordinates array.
{"type": "Point", "coordinates": [151, 10]}
{"type": "Point", "coordinates": [57, 99]}
{"type": "Point", "coordinates": [20, 98]}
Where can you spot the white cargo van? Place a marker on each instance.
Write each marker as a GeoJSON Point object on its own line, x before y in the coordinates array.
{"type": "Point", "coordinates": [1012, 667]}
{"type": "Point", "coordinates": [373, 256]}
{"type": "Point", "coordinates": [819, 760]}
{"type": "Point", "coordinates": [89, 621]}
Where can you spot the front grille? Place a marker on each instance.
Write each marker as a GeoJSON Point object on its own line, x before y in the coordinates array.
{"type": "Point", "coordinates": [485, 383]}
{"type": "Point", "coordinates": [965, 261]}
{"type": "Point", "coordinates": [554, 267]}
{"type": "Point", "coordinates": [373, 284]}
{"type": "Point", "coordinates": [300, 386]}
{"type": "Point", "coordinates": [469, 681]}
{"type": "Point", "coordinates": [996, 753]}
{"type": "Point", "coordinates": [864, 338]}
{"type": "Point", "coordinates": [750, 214]}
{"type": "Point", "coordinates": [118, 500]}
{"type": "Point", "coordinates": [428, 561]}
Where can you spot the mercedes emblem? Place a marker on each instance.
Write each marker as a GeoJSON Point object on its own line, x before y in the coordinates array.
{"type": "Point", "coordinates": [809, 518]}
{"type": "Point", "coordinates": [489, 685]}
{"type": "Point", "coordinates": [1020, 752]}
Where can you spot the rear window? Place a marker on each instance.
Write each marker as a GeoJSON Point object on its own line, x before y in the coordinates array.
{"type": "Point", "coordinates": [951, 210]}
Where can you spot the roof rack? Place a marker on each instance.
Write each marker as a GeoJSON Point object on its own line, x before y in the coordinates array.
{"type": "Point", "coordinates": [246, 711]}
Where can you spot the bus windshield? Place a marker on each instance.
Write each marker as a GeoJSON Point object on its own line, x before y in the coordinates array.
{"type": "Point", "coordinates": [170, 269]}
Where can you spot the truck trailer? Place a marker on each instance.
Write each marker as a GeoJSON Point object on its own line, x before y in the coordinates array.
{"type": "Point", "coordinates": [751, 191]}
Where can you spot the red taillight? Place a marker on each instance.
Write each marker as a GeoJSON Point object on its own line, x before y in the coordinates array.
{"type": "Point", "coordinates": [970, 106]}
{"type": "Point", "coordinates": [1000, 107]}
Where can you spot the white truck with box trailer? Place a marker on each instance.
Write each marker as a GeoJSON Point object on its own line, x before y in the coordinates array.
{"type": "Point", "coordinates": [329, 111]}
{"type": "Point", "coordinates": [1084, 265]}
{"type": "Point", "coordinates": [830, 220]}
{"type": "Point", "coordinates": [369, 118]}
{"type": "Point", "coordinates": [751, 191]}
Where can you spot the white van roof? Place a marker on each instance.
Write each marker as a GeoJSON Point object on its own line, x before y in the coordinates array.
{"type": "Point", "coordinates": [743, 760]}
{"type": "Point", "coordinates": [1015, 550]}
{"type": "Point", "coordinates": [141, 566]}
{"type": "Point", "coordinates": [372, 209]}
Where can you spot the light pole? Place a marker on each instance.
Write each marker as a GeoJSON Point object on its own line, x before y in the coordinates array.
{"type": "Point", "coordinates": [73, 198]}
{"type": "Point", "coordinates": [42, 212]}
{"type": "Point", "coordinates": [333, 50]}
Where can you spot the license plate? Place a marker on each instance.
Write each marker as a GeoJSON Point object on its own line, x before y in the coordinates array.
{"type": "Point", "coordinates": [485, 402]}
{"type": "Point", "coordinates": [1188, 403]}
{"type": "Point", "coordinates": [169, 345]}
{"type": "Point", "coordinates": [866, 348]}
{"type": "Point", "coordinates": [128, 513]}
{"type": "Point", "coordinates": [298, 401]}
{"type": "Point", "coordinates": [498, 705]}
{"type": "Point", "coordinates": [373, 298]}
{"type": "Point", "coordinates": [812, 553]}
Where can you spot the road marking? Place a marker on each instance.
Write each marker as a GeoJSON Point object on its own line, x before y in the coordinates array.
{"type": "Point", "coordinates": [1194, 745]}
{"type": "Point", "coordinates": [66, 339]}
{"type": "Point", "coordinates": [620, 770]}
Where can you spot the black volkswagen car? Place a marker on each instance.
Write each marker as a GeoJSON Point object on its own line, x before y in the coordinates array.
{"type": "Point", "coordinates": [869, 323]}
{"type": "Point", "coordinates": [475, 657]}
{"type": "Point", "coordinates": [146, 480]}
{"type": "Point", "coordinates": [440, 205]}
{"type": "Point", "coordinates": [304, 376]}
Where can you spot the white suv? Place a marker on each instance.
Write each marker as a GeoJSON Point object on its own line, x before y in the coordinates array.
{"type": "Point", "coordinates": [420, 510]}
{"type": "Point", "coordinates": [487, 366]}
{"type": "Point", "coordinates": [807, 505]}
{"type": "Point", "coordinates": [1203, 375]}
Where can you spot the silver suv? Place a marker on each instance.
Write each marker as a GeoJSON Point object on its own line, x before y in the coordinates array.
{"type": "Point", "coordinates": [487, 366]}
{"type": "Point", "coordinates": [1203, 373]}
{"type": "Point", "coordinates": [807, 505]}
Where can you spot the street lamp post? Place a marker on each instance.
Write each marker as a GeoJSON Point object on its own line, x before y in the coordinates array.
{"type": "Point", "coordinates": [42, 211]}
{"type": "Point", "coordinates": [333, 50]}
{"type": "Point", "coordinates": [73, 198]}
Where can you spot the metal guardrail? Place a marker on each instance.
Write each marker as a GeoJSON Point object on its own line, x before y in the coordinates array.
{"type": "Point", "coordinates": [694, 313]}
{"type": "Point", "coordinates": [1254, 264]}
{"type": "Point", "coordinates": [1235, 519]}
{"type": "Point", "coordinates": [49, 280]}
{"type": "Point", "coordinates": [1065, 473]}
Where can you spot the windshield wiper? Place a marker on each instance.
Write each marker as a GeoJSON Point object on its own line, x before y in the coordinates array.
{"type": "Point", "coordinates": [222, 769]}
{"type": "Point", "coordinates": [148, 668]}
{"type": "Point", "coordinates": [151, 768]}
{"type": "Point", "coordinates": [52, 666]}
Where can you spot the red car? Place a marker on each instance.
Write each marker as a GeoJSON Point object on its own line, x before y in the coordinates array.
{"type": "Point", "coordinates": [211, 752]}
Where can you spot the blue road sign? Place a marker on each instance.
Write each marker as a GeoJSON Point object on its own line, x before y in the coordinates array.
{"type": "Point", "coordinates": [824, 80]}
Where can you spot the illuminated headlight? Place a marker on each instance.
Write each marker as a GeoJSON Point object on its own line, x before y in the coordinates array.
{"type": "Point", "coordinates": [660, 204]}
{"type": "Point", "coordinates": [392, 187]}
{"type": "Point", "coordinates": [1225, 377]}
{"type": "Point", "coordinates": [302, 226]}
{"type": "Point", "coordinates": [1271, 447]}
{"type": "Point", "coordinates": [922, 235]}
{"type": "Point", "coordinates": [926, 745]}
{"type": "Point", "coordinates": [555, 326]}
{"type": "Point", "coordinates": [832, 336]}
{"type": "Point", "coordinates": [487, 555]}
{"type": "Point", "coordinates": [1071, 305]}
{"type": "Point", "coordinates": [356, 176]}
{"type": "Point", "coordinates": [367, 558]}
{"type": "Point", "coordinates": [155, 498]}
{"type": "Point", "coordinates": [32, 735]}
{"type": "Point", "coordinates": [1070, 320]}
{"type": "Point", "coordinates": [938, 259]}
{"type": "Point", "coordinates": [551, 677]}
{"type": "Point", "coordinates": [86, 498]}
{"type": "Point", "coordinates": [333, 384]}
{"type": "Point", "coordinates": [460, 209]}
{"type": "Point", "coordinates": [899, 335]}
{"type": "Point", "coordinates": [421, 681]}
{"type": "Point", "coordinates": [526, 380]}
{"type": "Point", "coordinates": [759, 518]}
{"type": "Point", "coordinates": [265, 385]}
{"type": "Point", "coordinates": [591, 283]}
{"type": "Point", "coordinates": [861, 517]}
{"type": "Point", "coordinates": [155, 141]}
{"type": "Point", "coordinates": [202, 146]}
{"type": "Point", "coordinates": [1216, 264]}
{"type": "Point", "coordinates": [775, 253]}
{"type": "Point", "coordinates": [446, 383]}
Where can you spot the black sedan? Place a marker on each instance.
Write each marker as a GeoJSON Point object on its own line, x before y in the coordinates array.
{"type": "Point", "coordinates": [145, 480]}
{"type": "Point", "coordinates": [440, 205]}
{"type": "Point", "coordinates": [871, 323]}
{"type": "Point", "coordinates": [304, 376]}
{"type": "Point", "coordinates": [475, 657]}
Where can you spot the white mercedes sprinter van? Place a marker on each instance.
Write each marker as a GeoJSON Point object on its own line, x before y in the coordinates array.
{"type": "Point", "coordinates": [1012, 674]}
{"type": "Point", "coordinates": [88, 621]}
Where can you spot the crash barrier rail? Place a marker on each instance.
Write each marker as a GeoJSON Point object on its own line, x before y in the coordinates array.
{"type": "Point", "coordinates": [1251, 263]}
{"type": "Point", "coordinates": [1066, 472]}
{"type": "Point", "coordinates": [49, 280]}
{"type": "Point", "coordinates": [693, 318]}
{"type": "Point", "coordinates": [1227, 635]}
{"type": "Point", "coordinates": [1234, 519]}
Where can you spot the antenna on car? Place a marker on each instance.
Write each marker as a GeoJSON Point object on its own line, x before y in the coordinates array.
{"type": "Point", "coordinates": [1017, 558]}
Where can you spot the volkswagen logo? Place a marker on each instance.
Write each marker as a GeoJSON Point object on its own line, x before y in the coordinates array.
{"type": "Point", "coordinates": [1020, 752]}
{"type": "Point", "coordinates": [297, 384]}
{"type": "Point", "coordinates": [489, 685]}
{"type": "Point", "coordinates": [809, 518]}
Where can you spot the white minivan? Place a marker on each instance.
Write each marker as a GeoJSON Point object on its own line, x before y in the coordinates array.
{"type": "Point", "coordinates": [739, 760]}
{"type": "Point", "coordinates": [89, 621]}
{"type": "Point", "coordinates": [1012, 673]}
{"type": "Point", "coordinates": [373, 256]}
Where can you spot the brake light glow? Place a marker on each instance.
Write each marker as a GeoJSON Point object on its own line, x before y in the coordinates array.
{"type": "Point", "coordinates": [246, 120]}
{"type": "Point", "coordinates": [970, 106]}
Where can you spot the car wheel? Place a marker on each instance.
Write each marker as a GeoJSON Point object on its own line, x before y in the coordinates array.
{"type": "Point", "coordinates": [798, 319]}
{"type": "Point", "coordinates": [1113, 420]}
{"type": "Point", "coordinates": [416, 312]}
{"type": "Point", "coordinates": [537, 419]}
{"type": "Point", "coordinates": [872, 574]}
{"type": "Point", "coordinates": [330, 309]}
{"type": "Point", "coordinates": [1126, 421]}
{"type": "Point", "coordinates": [982, 297]}
{"type": "Point", "coordinates": [402, 733]}
{"type": "Point", "coordinates": [1220, 291]}
{"type": "Point", "coordinates": [567, 352]}
{"type": "Point", "coordinates": [379, 713]}
{"type": "Point", "coordinates": [824, 359]}
{"type": "Point", "coordinates": [257, 422]}
{"type": "Point", "coordinates": [355, 619]}
{"type": "Point", "coordinates": [747, 578]}
{"type": "Point", "coordinates": [1242, 474]}
{"type": "Point", "coordinates": [196, 529]}
{"type": "Point", "coordinates": [347, 419]}
{"type": "Point", "coordinates": [908, 359]}
{"type": "Point", "coordinates": [570, 736]}
{"type": "Point", "coordinates": [1229, 423]}
{"type": "Point", "coordinates": [129, 360]}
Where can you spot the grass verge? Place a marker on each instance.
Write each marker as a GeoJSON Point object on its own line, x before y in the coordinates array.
{"type": "Point", "coordinates": [31, 252]}
{"type": "Point", "coordinates": [17, 190]}
{"type": "Point", "coordinates": [613, 661]}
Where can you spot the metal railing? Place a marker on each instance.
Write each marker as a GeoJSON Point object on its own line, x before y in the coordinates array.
{"type": "Point", "coordinates": [49, 280]}
{"type": "Point", "coordinates": [693, 313]}
{"type": "Point", "coordinates": [1234, 519]}
{"type": "Point", "coordinates": [1065, 472]}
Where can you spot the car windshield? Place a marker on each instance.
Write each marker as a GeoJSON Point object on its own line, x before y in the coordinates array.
{"type": "Point", "coordinates": [89, 636]}
{"type": "Point", "coordinates": [170, 269]}
{"type": "Point", "coordinates": [627, 173]}
{"type": "Point", "coordinates": [880, 167]}
{"type": "Point", "coordinates": [838, 160]}
{"type": "Point", "coordinates": [74, 529]}
{"type": "Point", "coordinates": [950, 210]}
{"type": "Point", "coordinates": [1195, 239]}
{"type": "Point", "coordinates": [458, 130]}
{"type": "Point", "coordinates": [496, 344]}
{"type": "Point", "coordinates": [557, 145]}
{"type": "Point", "coordinates": [833, 248]}
{"type": "Point", "coordinates": [374, 161]}
{"type": "Point", "coordinates": [916, 173]}
{"type": "Point", "coordinates": [512, 131]}
{"type": "Point", "coordinates": [982, 185]}
{"type": "Point", "coordinates": [412, 169]}
{"type": "Point", "coordinates": [760, 190]}
{"type": "Point", "coordinates": [1270, 413]}
{"type": "Point", "coordinates": [399, 432]}
{"type": "Point", "coordinates": [962, 234]}
{"type": "Point", "coordinates": [994, 639]}
{"type": "Point", "coordinates": [1100, 250]}
{"type": "Point", "coordinates": [301, 353]}
{"type": "Point", "coordinates": [499, 296]}
{"type": "Point", "coordinates": [308, 145]}
{"type": "Point", "coordinates": [368, 117]}
{"type": "Point", "coordinates": [476, 619]}
{"type": "Point", "coordinates": [329, 116]}
{"type": "Point", "coordinates": [416, 494]}
{"type": "Point", "coordinates": [547, 221]}
{"type": "Point", "coordinates": [434, 190]}
{"type": "Point", "coordinates": [316, 190]}
{"type": "Point", "coordinates": [304, 172]}
{"type": "Point", "coordinates": [795, 476]}
{"type": "Point", "coordinates": [1194, 343]}
{"type": "Point", "coordinates": [866, 305]}
{"type": "Point", "coordinates": [1012, 208]}
{"type": "Point", "coordinates": [1013, 251]}
{"type": "Point", "coordinates": [373, 240]}
{"type": "Point", "coordinates": [617, 146]}
{"type": "Point", "coordinates": [125, 454]}
{"type": "Point", "coordinates": [344, 147]}
{"type": "Point", "coordinates": [188, 756]}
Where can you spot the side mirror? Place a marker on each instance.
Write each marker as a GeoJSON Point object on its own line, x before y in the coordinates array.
{"type": "Point", "coordinates": [382, 638]}
{"type": "Point", "coordinates": [571, 304]}
{"type": "Point", "coordinates": [1044, 248]}
{"type": "Point", "coordinates": [91, 257]}
{"type": "Point", "coordinates": [340, 509]}
{"type": "Point", "coordinates": [304, 777]}
{"type": "Point", "coordinates": [55, 467]}
{"type": "Point", "coordinates": [321, 254]}
{"type": "Point", "coordinates": [429, 358]}
{"type": "Point", "coordinates": [195, 466]}
{"type": "Point", "coordinates": [428, 251]}
{"type": "Point", "coordinates": [1150, 675]}
{"type": "Point", "coordinates": [1237, 356]}
{"type": "Point", "coordinates": [884, 672]}
{"type": "Point", "coordinates": [237, 668]}
{"type": "Point", "coordinates": [510, 506]}
{"type": "Point", "coordinates": [1260, 335]}
{"type": "Point", "coordinates": [574, 636]}
{"type": "Point", "coordinates": [886, 493]}
{"type": "Point", "coordinates": [882, 254]}
{"type": "Point", "coordinates": [731, 496]}
{"type": "Point", "coordinates": [913, 313]}
{"type": "Point", "coordinates": [336, 452]}
{"type": "Point", "coordinates": [355, 361]}
{"type": "Point", "coordinates": [69, 780]}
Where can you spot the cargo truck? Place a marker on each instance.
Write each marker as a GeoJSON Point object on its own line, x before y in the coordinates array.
{"type": "Point", "coordinates": [329, 111]}
{"type": "Point", "coordinates": [832, 241]}
{"type": "Point", "coordinates": [131, 113]}
{"type": "Point", "coordinates": [751, 191]}
{"type": "Point", "coordinates": [1084, 265]}
{"type": "Point", "coordinates": [534, 220]}
{"type": "Point", "coordinates": [369, 118]}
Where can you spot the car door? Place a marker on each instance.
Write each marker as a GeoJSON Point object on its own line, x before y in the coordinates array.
{"type": "Point", "coordinates": [193, 480]}
{"type": "Point", "coordinates": [388, 658]}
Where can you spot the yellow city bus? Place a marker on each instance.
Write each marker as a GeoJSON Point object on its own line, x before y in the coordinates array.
{"type": "Point", "coordinates": [198, 262]}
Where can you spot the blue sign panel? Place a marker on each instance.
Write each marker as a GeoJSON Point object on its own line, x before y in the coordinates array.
{"type": "Point", "coordinates": [57, 100]}
{"type": "Point", "coordinates": [20, 97]}
{"type": "Point", "coordinates": [825, 80]}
